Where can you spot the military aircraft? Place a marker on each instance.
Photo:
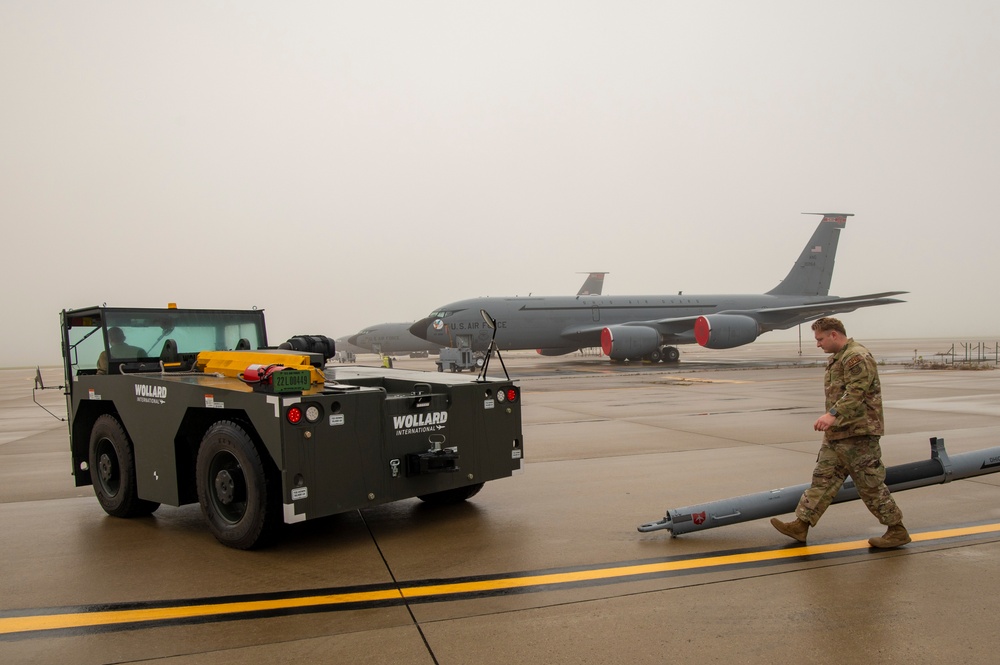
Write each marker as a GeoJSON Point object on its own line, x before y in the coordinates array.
{"type": "Point", "coordinates": [345, 347]}
{"type": "Point", "coordinates": [649, 327]}
{"type": "Point", "coordinates": [391, 338]}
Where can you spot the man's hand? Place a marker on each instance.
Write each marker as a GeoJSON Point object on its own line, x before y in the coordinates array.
{"type": "Point", "coordinates": [824, 422]}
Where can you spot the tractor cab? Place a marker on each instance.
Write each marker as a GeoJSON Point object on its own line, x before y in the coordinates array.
{"type": "Point", "coordinates": [117, 340]}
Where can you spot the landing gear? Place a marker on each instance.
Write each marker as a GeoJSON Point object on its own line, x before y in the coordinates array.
{"type": "Point", "coordinates": [667, 354]}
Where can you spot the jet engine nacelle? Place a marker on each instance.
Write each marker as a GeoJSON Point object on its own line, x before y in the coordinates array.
{"type": "Point", "coordinates": [724, 331]}
{"type": "Point", "coordinates": [621, 342]}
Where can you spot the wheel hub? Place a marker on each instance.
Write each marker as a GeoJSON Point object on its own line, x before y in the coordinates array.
{"type": "Point", "coordinates": [105, 468]}
{"type": "Point", "coordinates": [225, 487]}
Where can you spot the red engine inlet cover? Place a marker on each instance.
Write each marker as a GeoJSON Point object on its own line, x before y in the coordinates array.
{"type": "Point", "coordinates": [702, 330]}
{"type": "Point", "coordinates": [607, 341]}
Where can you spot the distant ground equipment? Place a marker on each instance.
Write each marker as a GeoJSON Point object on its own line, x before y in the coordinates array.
{"type": "Point", "coordinates": [455, 360]}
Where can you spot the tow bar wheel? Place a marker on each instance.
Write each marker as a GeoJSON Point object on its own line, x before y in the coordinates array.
{"type": "Point", "coordinates": [112, 470]}
{"type": "Point", "coordinates": [237, 499]}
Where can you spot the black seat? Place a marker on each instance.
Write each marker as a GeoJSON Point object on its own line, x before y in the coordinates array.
{"type": "Point", "coordinates": [243, 344]}
{"type": "Point", "coordinates": [169, 352]}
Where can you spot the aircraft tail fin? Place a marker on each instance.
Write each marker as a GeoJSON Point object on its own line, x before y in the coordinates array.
{"type": "Point", "coordinates": [813, 271]}
{"type": "Point", "coordinates": [593, 285]}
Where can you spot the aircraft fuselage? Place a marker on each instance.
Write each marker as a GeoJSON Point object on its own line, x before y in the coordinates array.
{"type": "Point", "coordinates": [575, 322]}
{"type": "Point", "coordinates": [389, 338]}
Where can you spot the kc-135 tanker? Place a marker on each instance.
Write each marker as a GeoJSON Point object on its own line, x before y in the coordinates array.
{"type": "Point", "coordinates": [650, 327]}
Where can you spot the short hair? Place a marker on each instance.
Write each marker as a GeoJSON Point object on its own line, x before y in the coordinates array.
{"type": "Point", "coordinates": [828, 323]}
{"type": "Point", "coordinates": [116, 335]}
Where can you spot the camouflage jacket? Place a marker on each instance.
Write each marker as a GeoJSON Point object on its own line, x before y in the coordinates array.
{"type": "Point", "coordinates": [853, 393]}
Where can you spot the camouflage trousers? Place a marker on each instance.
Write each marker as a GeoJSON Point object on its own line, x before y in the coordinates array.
{"type": "Point", "coordinates": [861, 458]}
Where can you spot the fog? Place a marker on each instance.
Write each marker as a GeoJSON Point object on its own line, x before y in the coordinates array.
{"type": "Point", "coordinates": [345, 164]}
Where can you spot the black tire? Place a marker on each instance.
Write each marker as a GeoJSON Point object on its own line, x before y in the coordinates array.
{"type": "Point", "coordinates": [655, 356]}
{"type": "Point", "coordinates": [112, 470]}
{"type": "Point", "coordinates": [239, 497]}
{"type": "Point", "coordinates": [671, 354]}
{"type": "Point", "coordinates": [456, 495]}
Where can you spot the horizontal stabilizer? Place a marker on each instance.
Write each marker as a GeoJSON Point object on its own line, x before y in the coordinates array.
{"type": "Point", "coordinates": [856, 301]}
{"type": "Point", "coordinates": [780, 318]}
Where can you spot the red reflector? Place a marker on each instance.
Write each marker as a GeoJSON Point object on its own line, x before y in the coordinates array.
{"type": "Point", "coordinates": [294, 415]}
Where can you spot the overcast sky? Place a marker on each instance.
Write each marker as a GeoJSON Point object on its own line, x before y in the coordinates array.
{"type": "Point", "coordinates": [344, 164]}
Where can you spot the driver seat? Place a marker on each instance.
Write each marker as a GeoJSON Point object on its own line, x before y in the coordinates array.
{"type": "Point", "coordinates": [169, 352]}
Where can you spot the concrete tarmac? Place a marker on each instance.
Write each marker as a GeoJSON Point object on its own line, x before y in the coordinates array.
{"type": "Point", "coordinates": [547, 566]}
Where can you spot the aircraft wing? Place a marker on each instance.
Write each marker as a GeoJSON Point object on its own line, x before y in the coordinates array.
{"type": "Point", "coordinates": [680, 330]}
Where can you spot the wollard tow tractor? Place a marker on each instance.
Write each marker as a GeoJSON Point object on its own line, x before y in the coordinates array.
{"type": "Point", "coordinates": [940, 468]}
{"type": "Point", "coordinates": [176, 406]}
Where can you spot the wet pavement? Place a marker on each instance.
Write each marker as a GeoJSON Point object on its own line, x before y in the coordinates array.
{"type": "Point", "coordinates": [547, 566]}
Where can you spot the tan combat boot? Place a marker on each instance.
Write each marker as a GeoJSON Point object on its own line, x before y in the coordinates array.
{"type": "Point", "coordinates": [895, 536]}
{"type": "Point", "coordinates": [796, 529]}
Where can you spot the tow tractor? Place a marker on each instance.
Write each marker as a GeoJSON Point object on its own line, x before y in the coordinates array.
{"type": "Point", "coordinates": [176, 406]}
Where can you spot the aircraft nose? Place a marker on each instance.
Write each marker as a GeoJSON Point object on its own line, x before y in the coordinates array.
{"type": "Point", "coordinates": [353, 340]}
{"type": "Point", "coordinates": [419, 329]}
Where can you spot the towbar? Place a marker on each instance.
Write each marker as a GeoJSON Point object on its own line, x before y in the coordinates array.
{"type": "Point", "coordinates": [939, 469]}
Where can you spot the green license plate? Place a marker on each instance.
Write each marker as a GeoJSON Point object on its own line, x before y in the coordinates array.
{"type": "Point", "coordinates": [290, 381]}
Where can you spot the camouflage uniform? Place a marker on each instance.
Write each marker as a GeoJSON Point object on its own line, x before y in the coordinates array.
{"type": "Point", "coordinates": [851, 445]}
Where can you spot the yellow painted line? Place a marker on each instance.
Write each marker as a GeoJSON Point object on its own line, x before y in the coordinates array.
{"type": "Point", "coordinates": [674, 566]}
{"type": "Point", "coordinates": [111, 617]}
{"type": "Point", "coordinates": [45, 622]}
{"type": "Point", "coordinates": [692, 379]}
{"type": "Point", "coordinates": [660, 380]}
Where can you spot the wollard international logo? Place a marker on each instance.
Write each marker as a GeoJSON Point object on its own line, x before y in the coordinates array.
{"type": "Point", "coordinates": [150, 394]}
{"type": "Point", "coordinates": [414, 423]}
